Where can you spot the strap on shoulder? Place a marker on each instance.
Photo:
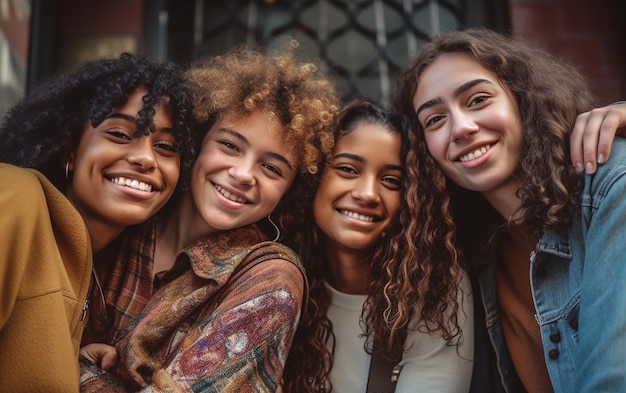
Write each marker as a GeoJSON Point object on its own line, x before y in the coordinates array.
{"type": "Point", "coordinates": [384, 372]}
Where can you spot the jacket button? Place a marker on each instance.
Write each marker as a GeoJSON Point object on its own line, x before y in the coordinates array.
{"type": "Point", "coordinates": [553, 354]}
{"type": "Point", "coordinates": [555, 337]}
{"type": "Point", "coordinates": [573, 323]}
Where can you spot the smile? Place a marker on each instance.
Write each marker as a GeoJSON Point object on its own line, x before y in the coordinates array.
{"type": "Point", "coordinates": [229, 195]}
{"type": "Point", "coordinates": [357, 216]}
{"type": "Point", "coordinates": [474, 154]}
{"type": "Point", "coordinates": [132, 183]}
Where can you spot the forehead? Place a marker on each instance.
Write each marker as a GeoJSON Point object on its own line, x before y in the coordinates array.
{"type": "Point", "coordinates": [447, 73]}
{"type": "Point", "coordinates": [371, 140]}
{"type": "Point", "coordinates": [257, 130]}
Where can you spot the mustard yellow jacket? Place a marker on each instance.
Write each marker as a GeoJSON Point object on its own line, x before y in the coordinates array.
{"type": "Point", "coordinates": [45, 272]}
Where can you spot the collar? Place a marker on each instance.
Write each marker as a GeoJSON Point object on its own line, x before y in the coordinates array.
{"type": "Point", "coordinates": [217, 255]}
{"type": "Point", "coordinates": [556, 243]}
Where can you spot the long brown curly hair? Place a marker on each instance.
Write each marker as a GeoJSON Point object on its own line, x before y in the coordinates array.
{"type": "Point", "coordinates": [412, 274]}
{"type": "Point", "coordinates": [550, 94]}
{"type": "Point", "coordinates": [293, 92]}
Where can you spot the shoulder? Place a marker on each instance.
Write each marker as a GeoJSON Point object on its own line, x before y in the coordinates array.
{"type": "Point", "coordinates": [275, 264]}
{"type": "Point", "coordinates": [614, 169]}
{"type": "Point", "coordinates": [617, 159]}
{"type": "Point", "coordinates": [273, 250]}
{"type": "Point", "coordinates": [272, 266]}
{"type": "Point", "coordinates": [22, 187]}
{"type": "Point", "coordinates": [19, 176]}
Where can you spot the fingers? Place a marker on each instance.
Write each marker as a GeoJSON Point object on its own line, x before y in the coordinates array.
{"type": "Point", "coordinates": [102, 354]}
{"type": "Point", "coordinates": [593, 134]}
{"type": "Point", "coordinates": [109, 359]}
{"type": "Point", "coordinates": [88, 353]}
{"type": "Point", "coordinates": [582, 134]}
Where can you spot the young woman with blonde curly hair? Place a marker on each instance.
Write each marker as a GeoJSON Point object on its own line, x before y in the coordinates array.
{"type": "Point", "coordinates": [375, 270]}
{"type": "Point", "coordinates": [494, 117]}
{"type": "Point", "coordinates": [264, 126]}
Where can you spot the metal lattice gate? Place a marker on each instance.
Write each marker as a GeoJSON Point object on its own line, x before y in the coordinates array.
{"type": "Point", "coordinates": [361, 43]}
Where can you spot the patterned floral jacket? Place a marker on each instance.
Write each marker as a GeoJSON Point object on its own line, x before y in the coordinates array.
{"type": "Point", "coordinates": [183, 342]}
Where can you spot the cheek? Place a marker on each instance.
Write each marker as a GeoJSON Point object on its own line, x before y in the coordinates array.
{"type": "Point", "coordinates": [436, 145]}
{"type": "Point", "coordinates": [201, 165]}
{"type": "Point", "coordinates": [394, 204]}
{"type": "Point", "coordinates": [171, 168]}
{"type": "Point", "coordinates": [275, 194]}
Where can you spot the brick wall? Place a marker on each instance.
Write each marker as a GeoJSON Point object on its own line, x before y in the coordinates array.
{"type": "Point", "coordinates": [589, 34]}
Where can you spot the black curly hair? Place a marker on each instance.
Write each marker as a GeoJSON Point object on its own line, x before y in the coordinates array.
{"type": "Point", "coordinates": [43, 129]}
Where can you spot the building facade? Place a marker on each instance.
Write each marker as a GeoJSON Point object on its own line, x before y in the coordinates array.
{"type": "Point", "coordinates": [360, 43]}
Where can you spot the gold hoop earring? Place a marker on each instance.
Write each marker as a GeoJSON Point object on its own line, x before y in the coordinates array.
{"type": "Point", "coordinates": [67, 170]}
{"type": "Point", "coordinates": [269, 218]}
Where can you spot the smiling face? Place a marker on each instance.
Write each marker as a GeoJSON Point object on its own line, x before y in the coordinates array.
{"type": "Point", "coordinates": [359, 192]}
{"type": "Point", "coordinates": [118, 179]}
{"type": "Point", "coordinates": [242, 172]}
{"type": "Point", "coordinates": [471, 123]}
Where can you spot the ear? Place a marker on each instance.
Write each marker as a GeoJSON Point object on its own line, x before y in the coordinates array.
{"type": "Point", "coordinates": [69, 162]}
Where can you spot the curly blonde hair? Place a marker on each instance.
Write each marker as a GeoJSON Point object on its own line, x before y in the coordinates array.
{"type": "Point", "coordinates": [293, 92]}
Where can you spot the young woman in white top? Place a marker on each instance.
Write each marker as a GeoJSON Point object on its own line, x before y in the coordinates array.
{"type": "Point", "coordinates": [373, 271]}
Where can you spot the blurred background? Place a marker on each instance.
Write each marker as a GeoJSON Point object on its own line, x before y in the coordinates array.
{"type": "Point", "coordinates": [360, 43]}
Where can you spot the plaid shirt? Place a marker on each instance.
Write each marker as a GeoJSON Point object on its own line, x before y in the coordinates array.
{"type": "Point", "coordinates": [183, 342]}
{"type": "Point", "coordinates": [125, 283]}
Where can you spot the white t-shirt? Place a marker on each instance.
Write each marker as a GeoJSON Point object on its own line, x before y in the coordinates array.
{"type": "Point", "coordinates": [429, 365]}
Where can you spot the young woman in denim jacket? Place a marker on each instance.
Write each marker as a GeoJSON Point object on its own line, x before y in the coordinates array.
{"type": "Point", "coordinates": [497, 115]}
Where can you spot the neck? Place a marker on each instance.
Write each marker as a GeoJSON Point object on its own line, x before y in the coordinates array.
{"type": "Point", "coordinates": [505, 199]}
{"type": "Point", "coordinates": [101, 234]}
{"type": "Point", "coordinates": [350, 271]}
{"type": "Point", "coordinates": [179, 229]}
{"type": "Point", "coordinates": [183, 226]}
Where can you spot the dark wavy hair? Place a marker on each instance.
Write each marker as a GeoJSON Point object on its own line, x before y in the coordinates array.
{"type": "Point", "coordinates": [549, 93]}
{"type": "Point", "coordinates": [407, 278]}
{"type": "Point", "coordinates": [43, 129]}
{"type": "Point", "coordinates": [292, 91]}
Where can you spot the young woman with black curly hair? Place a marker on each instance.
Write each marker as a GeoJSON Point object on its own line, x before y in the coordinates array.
{"type": "Point", "coordinates": [180, 315]}
{"type": "Point", "coordinates": [102, 146]}
{"type": "Point", "coordinates": [494, 117]}
{"type": "Point", "coordinates": [374, 271]}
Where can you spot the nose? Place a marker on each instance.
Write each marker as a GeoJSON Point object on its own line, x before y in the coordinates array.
{"type": "Point", "coordinates": [366, 191]}
{"type": "Point", "coordinates": [142, 154]}
{"type": "Point", "coordinates": [463, 126]}
{"type": "Point", "coordinates": [243, 172]}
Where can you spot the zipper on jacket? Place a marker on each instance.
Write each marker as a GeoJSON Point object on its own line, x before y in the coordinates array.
{"type": "Point", "coordinates": [85, 308]}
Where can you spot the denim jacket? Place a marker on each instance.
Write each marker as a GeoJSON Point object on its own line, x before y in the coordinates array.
{"type": "Point", "coordinates": [577, 282]}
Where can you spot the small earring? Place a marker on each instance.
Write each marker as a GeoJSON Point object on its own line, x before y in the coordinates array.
{"type": "Point", "coordinates": [67, 170]}
{"type": "Point", "coordinates": [269, 218]}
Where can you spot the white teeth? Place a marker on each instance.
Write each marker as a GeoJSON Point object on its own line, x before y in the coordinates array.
{"type": "Point", "coordinates": [357, 216]}
{"type": "Point", "coordinates": [230, 196]}
{"type": "Point", "coordinates": [134, 183]}
{"type": "Point", "coordinates": [475, 154]}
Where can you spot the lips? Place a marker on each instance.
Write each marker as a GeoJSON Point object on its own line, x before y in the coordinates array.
{"type": "Point", "coordinates": [229, 195]}
{"type": "Point", "coordinates": [474, 154]}
{"type": "Point", "coordinates": [357, 216]}
{"type": "Point", "coordinates": [132, 183]}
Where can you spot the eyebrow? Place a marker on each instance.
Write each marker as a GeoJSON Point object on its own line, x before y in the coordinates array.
{"type": "Point", "coordinates": [122, 116]}
{"type": "Point", "coordinates": [361, 159]}
{"type": "Point", "coordinates": [133, 119]}
{"type": "Point", "coordinates": [245, 141]}
{"type": "Point", "coordinates": [456, 92]}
